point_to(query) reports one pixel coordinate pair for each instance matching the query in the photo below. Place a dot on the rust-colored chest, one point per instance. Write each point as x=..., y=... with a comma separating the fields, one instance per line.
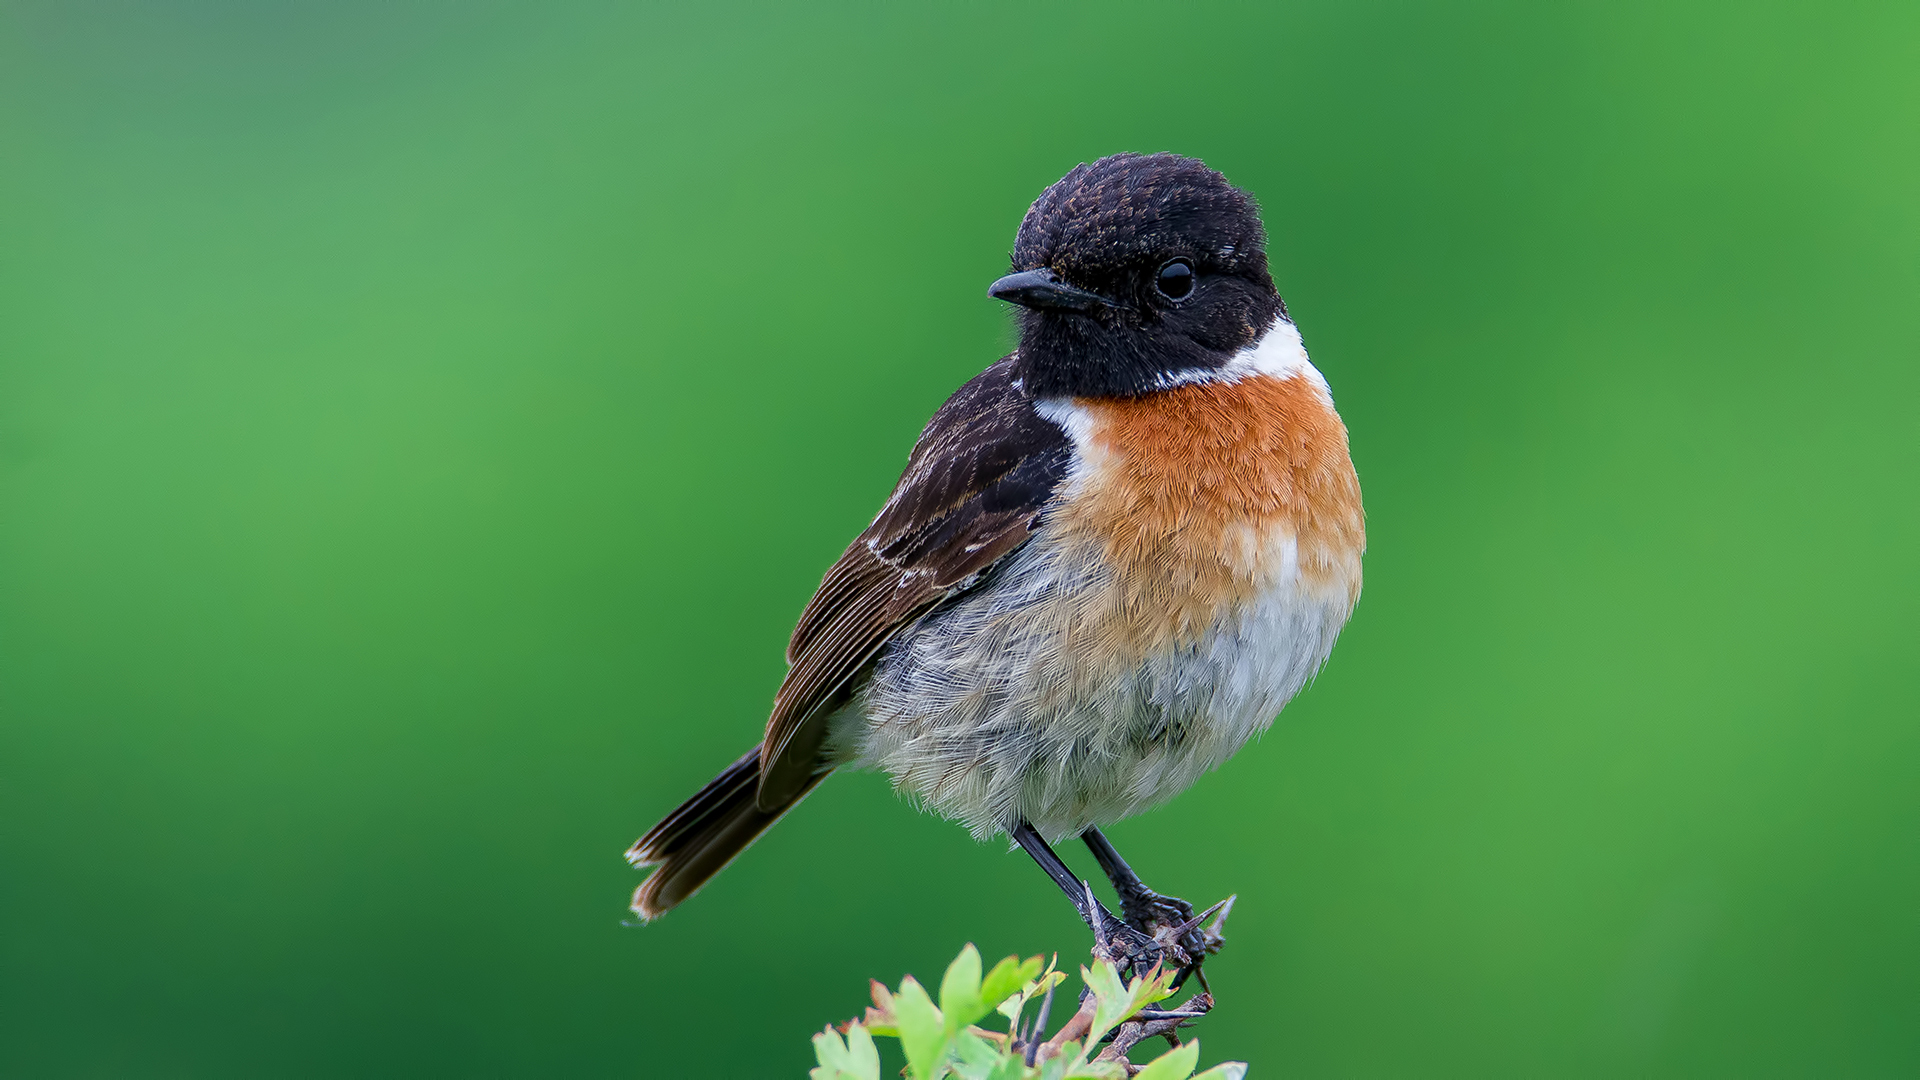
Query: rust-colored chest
x=1205, y=497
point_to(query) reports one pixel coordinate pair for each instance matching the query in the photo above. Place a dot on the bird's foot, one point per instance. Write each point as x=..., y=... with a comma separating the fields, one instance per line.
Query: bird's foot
x=1145, y=908
x=1158, y=930
x=1171, y=919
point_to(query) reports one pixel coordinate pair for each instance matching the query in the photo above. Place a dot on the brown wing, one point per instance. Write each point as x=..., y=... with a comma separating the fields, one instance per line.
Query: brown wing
x=973, y=492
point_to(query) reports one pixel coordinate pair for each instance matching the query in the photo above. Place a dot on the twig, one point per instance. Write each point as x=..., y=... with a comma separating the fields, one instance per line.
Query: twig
x=1148, y=1023
x=1040, y=1023
x=1075, y=1028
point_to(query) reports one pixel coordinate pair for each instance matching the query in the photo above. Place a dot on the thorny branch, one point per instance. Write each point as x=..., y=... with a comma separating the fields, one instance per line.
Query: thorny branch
x=1149, y=1022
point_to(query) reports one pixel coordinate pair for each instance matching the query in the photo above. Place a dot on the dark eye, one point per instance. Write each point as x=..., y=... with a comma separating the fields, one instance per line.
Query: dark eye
x=1176, y=279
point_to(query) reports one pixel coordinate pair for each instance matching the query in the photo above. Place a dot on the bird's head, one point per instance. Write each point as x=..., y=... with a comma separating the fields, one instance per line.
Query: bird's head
x=1136, y=273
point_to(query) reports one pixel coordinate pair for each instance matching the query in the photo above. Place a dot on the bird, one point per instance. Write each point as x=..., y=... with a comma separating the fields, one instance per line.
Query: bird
x=1113, y=557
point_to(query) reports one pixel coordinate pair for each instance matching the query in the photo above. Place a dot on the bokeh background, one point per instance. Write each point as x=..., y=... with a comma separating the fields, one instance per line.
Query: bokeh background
x=420, y=424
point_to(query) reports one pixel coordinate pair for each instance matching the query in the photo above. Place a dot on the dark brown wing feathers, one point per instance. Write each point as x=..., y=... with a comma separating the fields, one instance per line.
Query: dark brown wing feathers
x=706, y=833
x=671, y=835
x=972, y=492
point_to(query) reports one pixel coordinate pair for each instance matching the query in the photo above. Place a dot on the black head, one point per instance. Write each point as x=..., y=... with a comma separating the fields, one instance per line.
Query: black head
x=1134, y=271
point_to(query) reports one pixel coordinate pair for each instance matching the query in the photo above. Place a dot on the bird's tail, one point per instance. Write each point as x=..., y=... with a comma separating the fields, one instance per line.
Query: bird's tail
x=706, y=833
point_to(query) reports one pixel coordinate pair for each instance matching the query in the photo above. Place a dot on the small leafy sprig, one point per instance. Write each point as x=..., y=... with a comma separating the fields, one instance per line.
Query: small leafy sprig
x=942, y=1041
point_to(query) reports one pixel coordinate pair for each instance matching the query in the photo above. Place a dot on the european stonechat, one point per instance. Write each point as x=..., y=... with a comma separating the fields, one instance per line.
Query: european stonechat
x=1114, y=556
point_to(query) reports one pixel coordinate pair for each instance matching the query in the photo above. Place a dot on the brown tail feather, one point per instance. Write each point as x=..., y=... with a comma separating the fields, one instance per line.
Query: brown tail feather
x=707, y=832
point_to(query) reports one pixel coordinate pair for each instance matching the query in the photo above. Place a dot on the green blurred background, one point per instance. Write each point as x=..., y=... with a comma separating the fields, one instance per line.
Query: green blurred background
x=420, y=425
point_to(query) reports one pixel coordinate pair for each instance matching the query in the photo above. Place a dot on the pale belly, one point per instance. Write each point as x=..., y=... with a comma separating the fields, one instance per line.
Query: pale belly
x=1038, y=697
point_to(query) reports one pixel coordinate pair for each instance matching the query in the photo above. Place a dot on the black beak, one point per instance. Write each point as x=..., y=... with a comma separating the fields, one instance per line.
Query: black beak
x=1043, y=290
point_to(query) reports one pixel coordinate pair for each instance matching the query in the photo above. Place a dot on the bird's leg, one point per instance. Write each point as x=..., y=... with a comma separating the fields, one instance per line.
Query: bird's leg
x=1114, y=939
x=1144, y=908
x=1031, y=842
x=1168, y=919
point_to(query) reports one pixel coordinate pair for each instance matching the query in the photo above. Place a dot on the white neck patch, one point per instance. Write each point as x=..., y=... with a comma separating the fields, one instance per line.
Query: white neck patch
x=1279, y=354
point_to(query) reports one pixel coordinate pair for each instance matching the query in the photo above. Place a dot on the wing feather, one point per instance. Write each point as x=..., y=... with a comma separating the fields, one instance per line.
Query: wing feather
x=973, y=492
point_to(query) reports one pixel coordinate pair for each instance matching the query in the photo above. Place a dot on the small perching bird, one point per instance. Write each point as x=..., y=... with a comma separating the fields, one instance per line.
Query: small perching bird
x=1114, y=556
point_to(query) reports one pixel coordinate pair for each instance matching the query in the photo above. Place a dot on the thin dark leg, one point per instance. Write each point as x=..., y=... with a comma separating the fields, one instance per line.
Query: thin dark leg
x=1125, y=881
x=1112, y=933
x=1132, y=944
x=1141, y=905
x=1110, y=860
x=1076, y=890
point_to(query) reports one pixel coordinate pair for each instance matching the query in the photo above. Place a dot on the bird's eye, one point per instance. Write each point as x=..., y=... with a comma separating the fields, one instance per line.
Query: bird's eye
x=1176, y=279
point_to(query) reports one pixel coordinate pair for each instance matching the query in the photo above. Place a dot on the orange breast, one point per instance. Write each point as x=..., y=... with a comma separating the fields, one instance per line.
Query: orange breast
x=1208, y=496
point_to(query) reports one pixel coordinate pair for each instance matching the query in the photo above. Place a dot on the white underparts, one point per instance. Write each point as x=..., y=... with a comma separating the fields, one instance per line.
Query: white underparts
x=1003, y=707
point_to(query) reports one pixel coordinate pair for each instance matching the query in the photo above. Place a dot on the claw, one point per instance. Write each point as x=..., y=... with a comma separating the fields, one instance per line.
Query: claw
x=1130, y=950
x=1209, y=941
x=1189, y=944
x=1225, y=908
x=1179, y=933
x=1124, y=947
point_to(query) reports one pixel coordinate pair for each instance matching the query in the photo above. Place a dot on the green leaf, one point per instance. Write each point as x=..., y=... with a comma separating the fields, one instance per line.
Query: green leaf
x=880, y=1018
x=1096, y=1070
x=1175, y=1064
x=1103, y=981
x=941, y=1042
x=960, y=991
x=1055, y=1068
x=855, y=1059
x=1009, y=1067
x=864, y=1056
x=1012, y=1006
x=1115, y=1002
x=1109, y=997
x=1006, y=979
x=830, y=1052
x=975, y=1058
x=923, y=1031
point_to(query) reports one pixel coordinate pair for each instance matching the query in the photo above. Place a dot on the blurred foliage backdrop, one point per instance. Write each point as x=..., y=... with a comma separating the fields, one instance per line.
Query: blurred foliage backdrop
x=421, y=423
